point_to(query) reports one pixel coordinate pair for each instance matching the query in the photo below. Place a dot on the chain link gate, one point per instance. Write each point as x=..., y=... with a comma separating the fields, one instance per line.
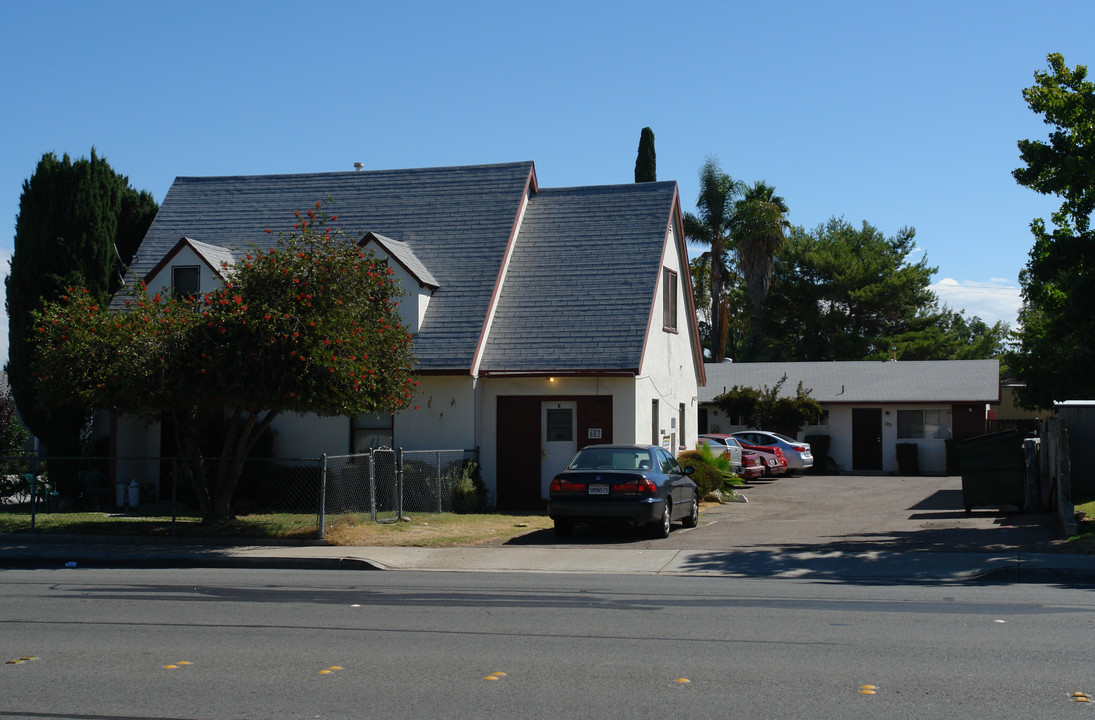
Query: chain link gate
x=386, y=483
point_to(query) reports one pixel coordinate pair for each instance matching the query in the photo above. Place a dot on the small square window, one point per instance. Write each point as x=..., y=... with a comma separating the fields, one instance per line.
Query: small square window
x=185, y=281
x=560, y=425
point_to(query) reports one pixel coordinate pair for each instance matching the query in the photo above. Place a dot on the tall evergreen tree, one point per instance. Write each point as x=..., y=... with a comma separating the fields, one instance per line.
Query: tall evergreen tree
x=646, y=162
x=845, y=293
x=71, y=214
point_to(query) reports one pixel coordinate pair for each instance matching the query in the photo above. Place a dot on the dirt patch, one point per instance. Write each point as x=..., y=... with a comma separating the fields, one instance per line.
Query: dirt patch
x=436, y=530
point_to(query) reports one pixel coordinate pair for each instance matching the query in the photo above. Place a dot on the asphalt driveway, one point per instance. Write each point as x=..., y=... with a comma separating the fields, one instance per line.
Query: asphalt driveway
x=845, y=513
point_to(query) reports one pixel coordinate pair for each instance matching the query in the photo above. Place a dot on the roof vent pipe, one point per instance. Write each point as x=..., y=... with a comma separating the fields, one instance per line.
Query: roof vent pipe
x=358, y=165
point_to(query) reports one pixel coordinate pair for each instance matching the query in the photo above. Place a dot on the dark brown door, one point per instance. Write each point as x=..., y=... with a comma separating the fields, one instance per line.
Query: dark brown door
x=519, y=453
x=866, y=439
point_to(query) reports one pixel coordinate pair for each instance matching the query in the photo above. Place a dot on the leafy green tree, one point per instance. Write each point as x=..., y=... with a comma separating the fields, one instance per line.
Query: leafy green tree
x=710, y=226
x=12, y=433
x=758, y=228
x=1056, y=325
x=847, y=293
x=309, y=326
x=71, y=214
x=646, y=161
x=767, y=408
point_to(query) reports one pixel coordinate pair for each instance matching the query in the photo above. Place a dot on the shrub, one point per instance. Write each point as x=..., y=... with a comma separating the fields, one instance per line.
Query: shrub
x=714, y=475
x=469, y=492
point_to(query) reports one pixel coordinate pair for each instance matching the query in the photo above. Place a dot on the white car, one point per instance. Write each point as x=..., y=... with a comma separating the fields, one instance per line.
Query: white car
x=723, y=445
x=796, y=453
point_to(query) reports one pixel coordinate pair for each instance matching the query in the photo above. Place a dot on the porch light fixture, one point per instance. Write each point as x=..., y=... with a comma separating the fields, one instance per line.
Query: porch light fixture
x=551, y=379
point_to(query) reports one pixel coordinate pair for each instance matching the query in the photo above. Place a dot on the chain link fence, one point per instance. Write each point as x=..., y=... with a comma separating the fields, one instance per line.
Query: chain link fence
x=280, y=497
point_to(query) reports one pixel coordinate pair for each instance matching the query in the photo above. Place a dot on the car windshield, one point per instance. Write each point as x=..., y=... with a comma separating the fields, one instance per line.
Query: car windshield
x=784, y=438
x=611, y=459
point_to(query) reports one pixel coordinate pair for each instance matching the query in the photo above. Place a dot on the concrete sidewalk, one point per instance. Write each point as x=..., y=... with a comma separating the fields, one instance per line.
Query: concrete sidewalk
x=823, y=528
x=822, y=566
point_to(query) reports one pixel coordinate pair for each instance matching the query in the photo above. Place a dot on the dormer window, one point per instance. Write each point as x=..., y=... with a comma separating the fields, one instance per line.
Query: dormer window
x=185, y=281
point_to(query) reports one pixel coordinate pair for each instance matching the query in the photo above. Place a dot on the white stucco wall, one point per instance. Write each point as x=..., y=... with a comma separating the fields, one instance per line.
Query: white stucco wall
x=411, y=305
x=137, y=451
x=446, y=417
x=186, y=257
x=669, y=373
x=932, y=454
x=310, y=436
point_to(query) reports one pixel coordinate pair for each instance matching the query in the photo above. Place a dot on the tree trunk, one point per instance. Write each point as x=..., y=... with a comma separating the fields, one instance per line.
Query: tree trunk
x=189, y=446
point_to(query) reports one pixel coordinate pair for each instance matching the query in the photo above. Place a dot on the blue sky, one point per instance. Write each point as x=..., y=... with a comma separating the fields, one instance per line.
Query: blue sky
x=900, y=114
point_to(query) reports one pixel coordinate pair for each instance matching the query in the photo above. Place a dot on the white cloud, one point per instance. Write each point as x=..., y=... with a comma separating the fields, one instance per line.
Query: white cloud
x=991, y=300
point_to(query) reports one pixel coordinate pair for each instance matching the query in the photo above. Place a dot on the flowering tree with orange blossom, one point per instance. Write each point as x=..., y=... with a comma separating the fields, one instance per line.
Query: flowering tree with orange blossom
x=309, y=325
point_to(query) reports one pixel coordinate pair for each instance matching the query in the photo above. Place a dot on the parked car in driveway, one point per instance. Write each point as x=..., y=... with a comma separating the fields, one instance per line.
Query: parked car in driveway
x=797, y=453
x=774, y=462
x=723, y=445
x=641, y=484
x=752, y=466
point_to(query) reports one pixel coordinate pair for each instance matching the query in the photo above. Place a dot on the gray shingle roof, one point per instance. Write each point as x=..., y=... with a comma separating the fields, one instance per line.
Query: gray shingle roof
x=405, y=256
x=906, y=381
x=214, y=256
x=458, y=221
x=581, y=279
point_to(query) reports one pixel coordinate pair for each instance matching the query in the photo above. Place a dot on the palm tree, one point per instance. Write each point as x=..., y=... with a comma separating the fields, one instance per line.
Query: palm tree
x=758, y=228
x=711, y=227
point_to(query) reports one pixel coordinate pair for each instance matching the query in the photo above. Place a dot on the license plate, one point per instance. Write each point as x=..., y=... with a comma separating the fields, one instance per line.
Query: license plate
x=598, y=489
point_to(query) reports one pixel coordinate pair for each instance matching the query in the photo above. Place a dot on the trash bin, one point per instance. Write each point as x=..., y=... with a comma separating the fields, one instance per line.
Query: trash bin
x=134, y=494
x=908, y=458
x=994, y=470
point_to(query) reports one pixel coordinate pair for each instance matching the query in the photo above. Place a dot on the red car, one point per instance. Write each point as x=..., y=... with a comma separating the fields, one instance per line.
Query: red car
x=752, y=466
x=774, y=462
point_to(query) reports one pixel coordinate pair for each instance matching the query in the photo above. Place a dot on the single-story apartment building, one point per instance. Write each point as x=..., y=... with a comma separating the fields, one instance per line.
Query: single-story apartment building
x=869, y=408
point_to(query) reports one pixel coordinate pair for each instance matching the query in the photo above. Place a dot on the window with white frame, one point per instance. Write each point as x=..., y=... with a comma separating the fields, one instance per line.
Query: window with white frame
x=923, y=424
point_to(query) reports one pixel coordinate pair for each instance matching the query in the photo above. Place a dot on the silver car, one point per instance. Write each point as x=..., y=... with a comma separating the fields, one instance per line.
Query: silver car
x=723, y=445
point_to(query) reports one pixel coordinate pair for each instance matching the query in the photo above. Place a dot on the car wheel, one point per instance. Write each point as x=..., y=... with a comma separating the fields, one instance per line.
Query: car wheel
x=693, y=518
x=564, y=528
x=662, y=527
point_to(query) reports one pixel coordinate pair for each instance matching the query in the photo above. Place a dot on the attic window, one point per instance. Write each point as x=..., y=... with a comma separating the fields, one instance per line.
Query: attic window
x=669, y=300
x=185, y=281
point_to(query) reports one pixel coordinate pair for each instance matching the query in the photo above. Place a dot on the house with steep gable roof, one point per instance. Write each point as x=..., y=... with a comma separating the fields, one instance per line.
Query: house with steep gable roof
x=871, y=407
x=544, y=319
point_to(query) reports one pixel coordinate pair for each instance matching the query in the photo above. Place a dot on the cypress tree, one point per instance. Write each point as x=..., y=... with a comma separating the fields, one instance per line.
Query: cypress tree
x=70, y=216
x=645, y=163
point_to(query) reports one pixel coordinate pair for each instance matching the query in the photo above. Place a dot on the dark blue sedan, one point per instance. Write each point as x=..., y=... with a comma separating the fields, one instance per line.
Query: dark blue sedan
x=635, y=483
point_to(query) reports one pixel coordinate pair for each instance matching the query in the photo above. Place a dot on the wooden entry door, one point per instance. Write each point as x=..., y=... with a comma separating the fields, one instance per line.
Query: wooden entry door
x=518, y=432
x=866, y=438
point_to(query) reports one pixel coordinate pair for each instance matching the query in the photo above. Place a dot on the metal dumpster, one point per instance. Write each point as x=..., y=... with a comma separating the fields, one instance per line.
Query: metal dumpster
x=993, y=470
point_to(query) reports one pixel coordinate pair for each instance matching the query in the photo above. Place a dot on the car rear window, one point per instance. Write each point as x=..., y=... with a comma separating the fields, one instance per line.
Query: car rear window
x=611, y=459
